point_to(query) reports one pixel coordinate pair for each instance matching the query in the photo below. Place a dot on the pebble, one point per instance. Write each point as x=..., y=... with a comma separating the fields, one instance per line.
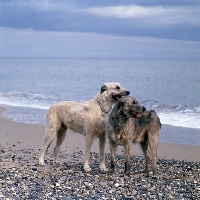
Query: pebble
x=22, y=178
x=104, y=184
x=116, y=184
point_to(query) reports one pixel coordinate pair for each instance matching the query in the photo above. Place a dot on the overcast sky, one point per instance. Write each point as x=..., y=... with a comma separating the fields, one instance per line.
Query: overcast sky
x=168, y=29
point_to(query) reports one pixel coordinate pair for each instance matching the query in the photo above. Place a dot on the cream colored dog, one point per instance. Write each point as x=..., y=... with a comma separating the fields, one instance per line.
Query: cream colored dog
x=87, y=118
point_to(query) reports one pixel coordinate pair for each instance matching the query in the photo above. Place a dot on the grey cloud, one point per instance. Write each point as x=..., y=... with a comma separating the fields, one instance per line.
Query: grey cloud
x=166, y=15
x=110, y=24
x=29, y=43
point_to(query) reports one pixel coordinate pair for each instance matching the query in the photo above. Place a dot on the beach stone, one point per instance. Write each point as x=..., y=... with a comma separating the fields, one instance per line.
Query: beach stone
x=57, y=184
x=52, y=186
x=70, y=182
x=33, y=195
x=116, y=184
x=160, y=195
x=104, y=184
x=1, y=195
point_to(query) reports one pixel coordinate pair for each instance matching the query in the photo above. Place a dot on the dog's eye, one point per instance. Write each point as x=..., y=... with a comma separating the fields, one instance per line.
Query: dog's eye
x=134, y=102
x=118, y=87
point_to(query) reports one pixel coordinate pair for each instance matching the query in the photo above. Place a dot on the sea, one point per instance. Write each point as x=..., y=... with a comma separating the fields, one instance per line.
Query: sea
x=28, y=86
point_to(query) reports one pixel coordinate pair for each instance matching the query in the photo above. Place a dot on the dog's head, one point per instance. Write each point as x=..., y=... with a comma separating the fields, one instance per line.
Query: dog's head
x=130, y=107
x=114, y=90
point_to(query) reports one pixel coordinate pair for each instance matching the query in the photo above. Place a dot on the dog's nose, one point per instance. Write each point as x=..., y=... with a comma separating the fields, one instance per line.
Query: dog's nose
x=143, y=108
x=127, y=92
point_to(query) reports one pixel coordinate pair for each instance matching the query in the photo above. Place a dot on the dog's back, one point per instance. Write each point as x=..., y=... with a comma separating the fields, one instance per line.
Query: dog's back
x=146, y=127
x=75, y=116
x=148, y=121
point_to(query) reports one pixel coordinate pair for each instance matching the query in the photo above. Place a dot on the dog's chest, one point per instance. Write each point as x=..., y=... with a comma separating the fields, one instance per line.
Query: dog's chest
x=120, y=137
x=122, y=134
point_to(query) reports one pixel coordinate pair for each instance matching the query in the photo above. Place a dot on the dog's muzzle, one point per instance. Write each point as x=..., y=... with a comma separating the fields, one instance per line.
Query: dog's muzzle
x=117, y=97
x=136, y=114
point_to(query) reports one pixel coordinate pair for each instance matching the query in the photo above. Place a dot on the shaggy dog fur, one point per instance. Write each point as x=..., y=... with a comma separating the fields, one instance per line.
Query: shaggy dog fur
x=87, y=118
x=129, y=123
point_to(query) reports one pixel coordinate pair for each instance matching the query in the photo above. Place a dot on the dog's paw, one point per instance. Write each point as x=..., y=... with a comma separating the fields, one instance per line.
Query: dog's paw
x=127, y=172
x=111, y=170
x=103, y=169
x=41, y=163
x=57, y=163
x=88, y=169
x=146, y=171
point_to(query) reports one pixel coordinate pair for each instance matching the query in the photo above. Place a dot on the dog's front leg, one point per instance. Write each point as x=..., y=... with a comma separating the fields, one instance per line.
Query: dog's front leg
x=88, y=144
x=113, y=147
x=102, y=142
x=127, y=149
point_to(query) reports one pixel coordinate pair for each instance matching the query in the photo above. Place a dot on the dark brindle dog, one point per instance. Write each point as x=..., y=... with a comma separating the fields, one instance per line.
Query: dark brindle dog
x=130, y=123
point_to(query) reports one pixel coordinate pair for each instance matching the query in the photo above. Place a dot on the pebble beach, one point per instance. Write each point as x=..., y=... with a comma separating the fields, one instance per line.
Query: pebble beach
x=178, y=175
x=22, y=178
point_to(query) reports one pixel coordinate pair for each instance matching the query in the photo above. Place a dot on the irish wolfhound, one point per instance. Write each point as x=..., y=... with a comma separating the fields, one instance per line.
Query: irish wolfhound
x=129, y=123
x=87, y=118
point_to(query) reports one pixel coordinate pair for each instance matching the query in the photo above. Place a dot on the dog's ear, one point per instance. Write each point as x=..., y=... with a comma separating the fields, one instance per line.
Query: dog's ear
x=103, y=88
x=120, y=105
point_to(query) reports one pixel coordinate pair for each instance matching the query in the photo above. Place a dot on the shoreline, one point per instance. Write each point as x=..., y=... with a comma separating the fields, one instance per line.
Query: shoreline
x=17, y=135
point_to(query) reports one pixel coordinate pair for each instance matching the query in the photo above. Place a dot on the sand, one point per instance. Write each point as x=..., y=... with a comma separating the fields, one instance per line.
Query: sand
x=23, y=136
x=22, y=178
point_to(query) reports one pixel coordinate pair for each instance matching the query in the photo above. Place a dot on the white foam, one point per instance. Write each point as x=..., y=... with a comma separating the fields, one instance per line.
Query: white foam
x=181, y=115
x=24, y=104
x=28, y=100
x=188, y=119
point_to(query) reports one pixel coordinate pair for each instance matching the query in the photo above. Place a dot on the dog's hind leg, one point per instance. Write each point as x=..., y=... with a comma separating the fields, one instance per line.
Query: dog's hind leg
x=153, y=143
x=102, y=141
x=50, y=133
x=144, y=146
x=60, y=138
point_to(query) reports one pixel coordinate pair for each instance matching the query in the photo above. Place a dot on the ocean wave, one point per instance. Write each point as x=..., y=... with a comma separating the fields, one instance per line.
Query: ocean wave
x=175, y=115
x=29, y=100
x=178, y=115
x=187, y=120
